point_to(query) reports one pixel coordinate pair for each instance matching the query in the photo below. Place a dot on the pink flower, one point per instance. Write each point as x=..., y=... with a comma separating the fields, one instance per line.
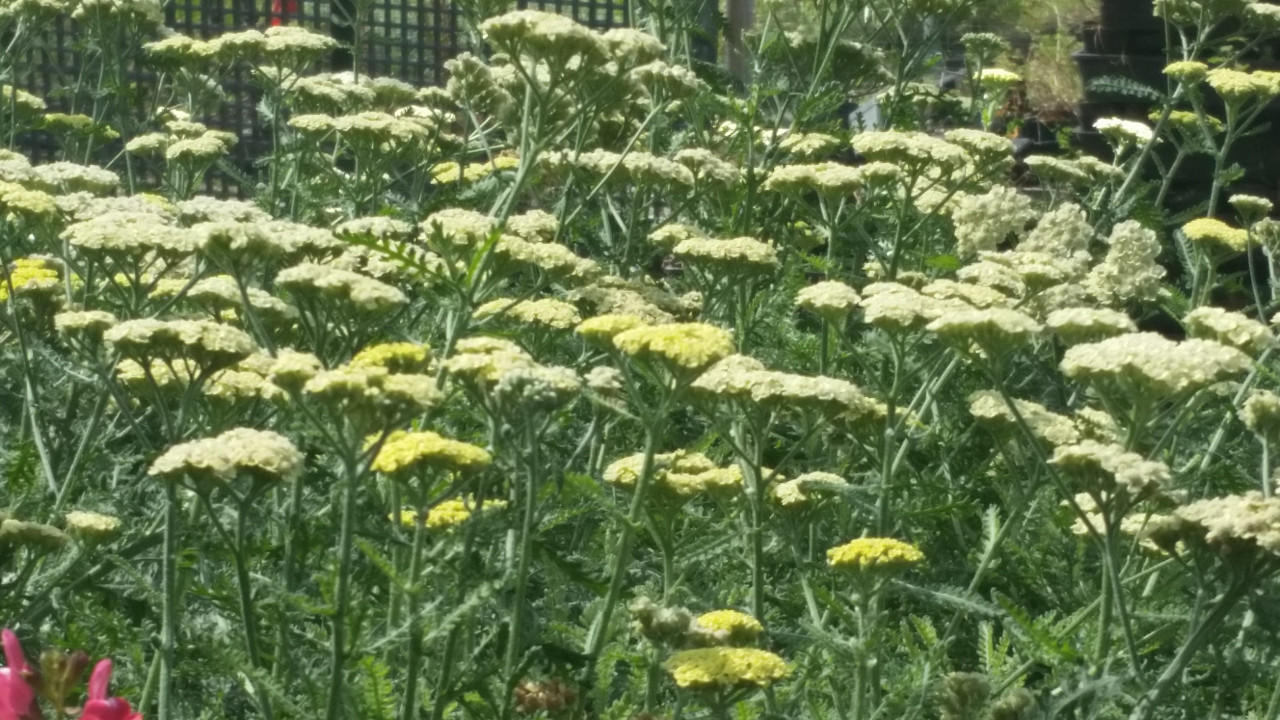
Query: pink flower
x=17, y=699
x=99, y=706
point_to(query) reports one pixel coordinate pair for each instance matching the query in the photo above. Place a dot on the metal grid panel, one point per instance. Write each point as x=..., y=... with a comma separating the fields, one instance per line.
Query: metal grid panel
x=599, y=14
x=405, y=39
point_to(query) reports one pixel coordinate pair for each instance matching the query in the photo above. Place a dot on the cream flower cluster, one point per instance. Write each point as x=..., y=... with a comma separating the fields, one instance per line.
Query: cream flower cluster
x=261, y=454
x=1150, y=365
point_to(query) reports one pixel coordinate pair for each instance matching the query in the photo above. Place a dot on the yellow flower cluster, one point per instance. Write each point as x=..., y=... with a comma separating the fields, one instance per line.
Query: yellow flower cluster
x=30, y=276
x=737, y=627
x=452, y=172
x=1214, y=232
x=448, y=514
x=726, y=667
x=1186, y=71
x=1236, y=86
x=680, y=346
x=396, y=357
x=406, y=452
x=874, y=554
x=681, y=473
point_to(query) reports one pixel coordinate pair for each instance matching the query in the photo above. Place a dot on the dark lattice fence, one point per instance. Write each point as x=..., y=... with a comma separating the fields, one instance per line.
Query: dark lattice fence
x=409, y=40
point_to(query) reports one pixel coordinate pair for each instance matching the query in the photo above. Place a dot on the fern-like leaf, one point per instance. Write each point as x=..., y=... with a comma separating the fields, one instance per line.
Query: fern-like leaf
x=1126, y=87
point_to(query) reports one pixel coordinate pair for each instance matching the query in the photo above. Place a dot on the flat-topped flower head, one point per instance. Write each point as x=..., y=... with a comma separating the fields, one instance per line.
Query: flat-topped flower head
x=362, y=293
x=1187, y=71
x=292, y=369
x=601, y=329
x=805, y=490
x=679, y=346
x=33, y=536
x=92, y=525
x=534, y=226
x=396, y=357
x=874, y=554
x=1109, y=468
x=1152, y=366
x=88, y=324
x=1215, y=233
x=722, y=668
x=915, y=150
x=261, y=454
x=1229, y=328
x=679, y=475
x=1231, y=524
x=372, y=394
x=736, y=627
x=547, y=313
x=127, y=233
x=31, y=277
x=831, y=300
x=1088, y=324
x=1251, y=207
x=458, y=229
x=407, y=452
x=546, y=35
x=991, y=410
x=991, y=329
x=449, y=514
x=1236, y=86
x=630, y=47
x=1120, y=131
x=553, y=260
x=730, y=257
x=208, y=342
x=529, y=391
x=809, y=146
x=984, y=146
x=484, y=360
x=998, y=78
x=1261, y=414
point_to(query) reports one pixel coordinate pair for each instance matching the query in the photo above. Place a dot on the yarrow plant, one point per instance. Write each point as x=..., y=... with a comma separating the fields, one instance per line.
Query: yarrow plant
x=593, y=383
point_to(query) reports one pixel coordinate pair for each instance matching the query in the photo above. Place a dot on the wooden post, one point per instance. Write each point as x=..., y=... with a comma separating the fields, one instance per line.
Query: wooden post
x=742, y=17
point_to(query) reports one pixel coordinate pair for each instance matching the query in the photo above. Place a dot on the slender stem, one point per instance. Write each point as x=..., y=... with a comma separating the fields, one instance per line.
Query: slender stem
x=527, y=524
x=409, y=710
x=342, y=595
x=1171, y=675
x=622, y=551
x=169, y=603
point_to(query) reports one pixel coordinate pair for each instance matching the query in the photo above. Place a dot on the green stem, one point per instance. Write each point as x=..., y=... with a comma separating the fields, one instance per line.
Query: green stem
x=337, y=650
x=622, y=551
x=1173, y=673
x=409, y=710
x=169, y=603
x=527, y=523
